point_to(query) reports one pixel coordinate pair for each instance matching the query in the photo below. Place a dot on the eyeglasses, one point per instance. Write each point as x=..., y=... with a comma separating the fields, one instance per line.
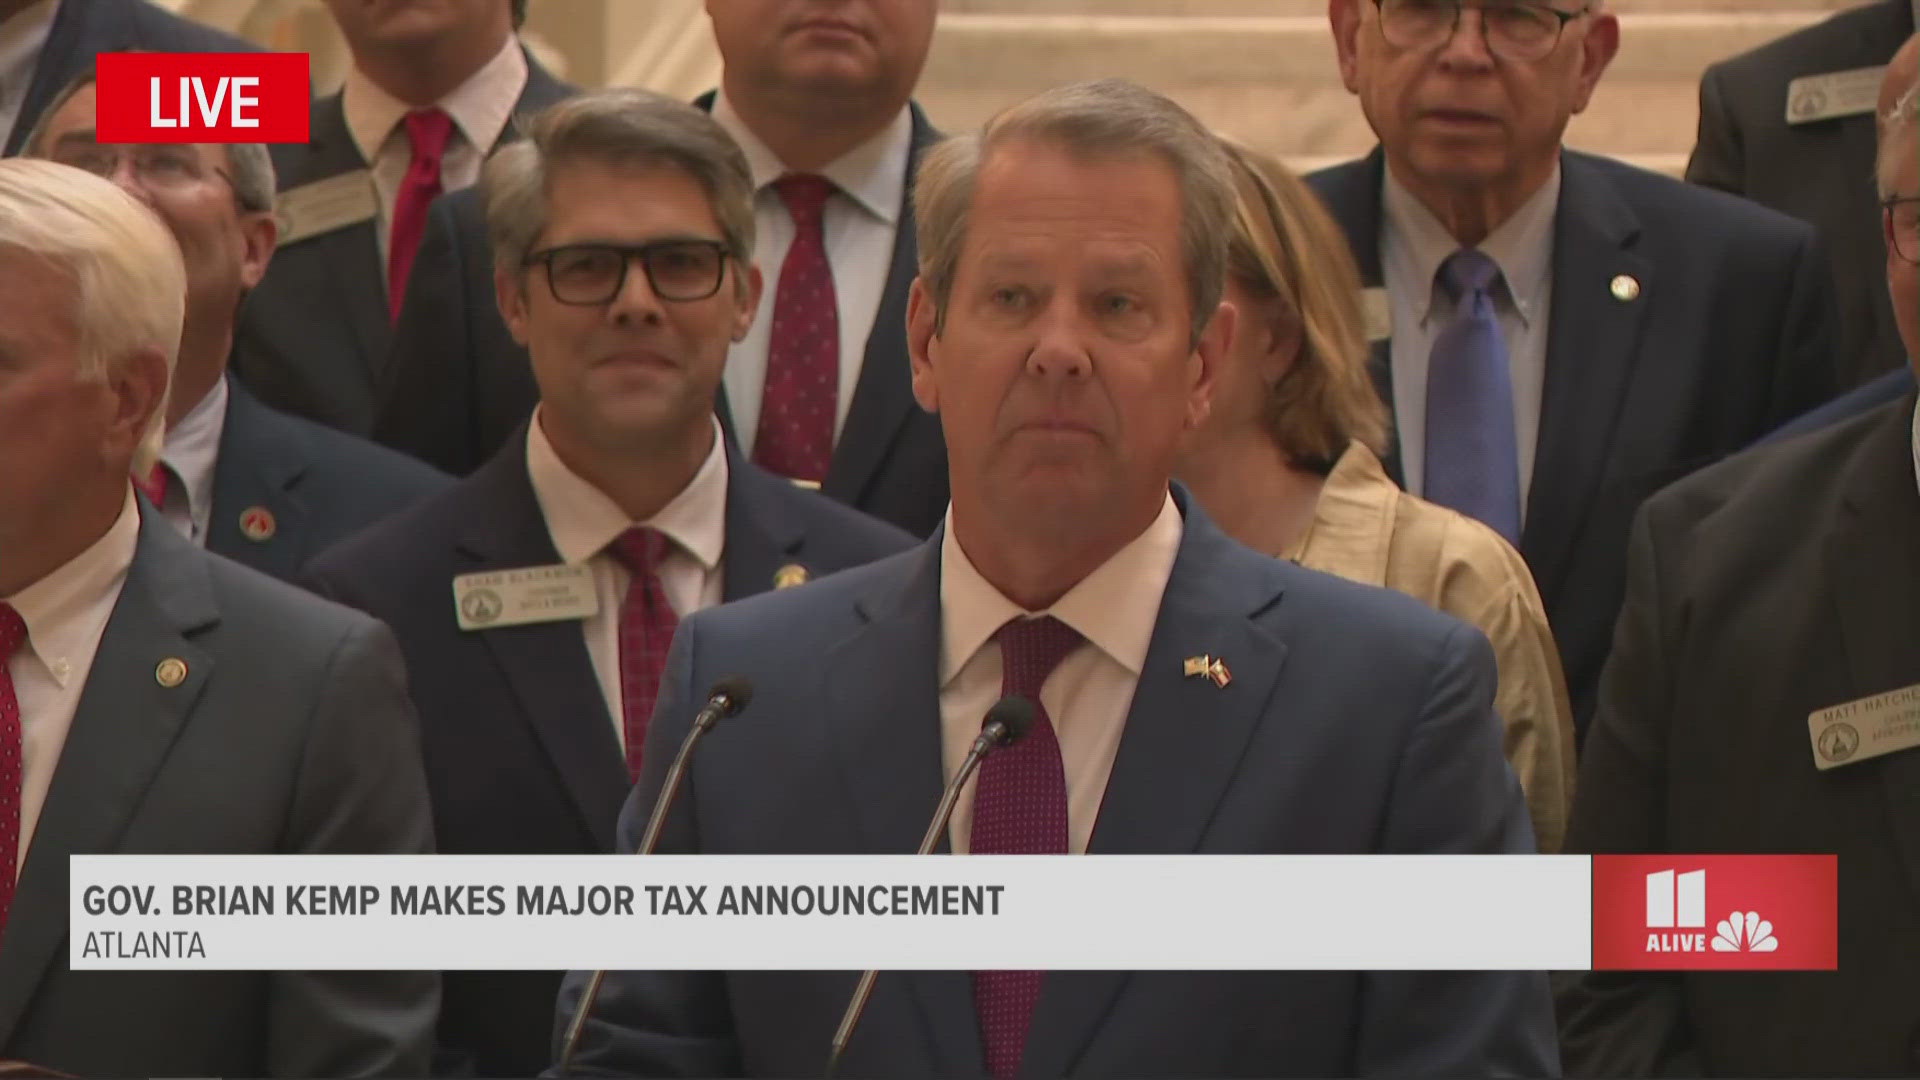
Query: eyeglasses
x=1902, y=216
x=677, y=270
x=1512, y=31
x=158, y=167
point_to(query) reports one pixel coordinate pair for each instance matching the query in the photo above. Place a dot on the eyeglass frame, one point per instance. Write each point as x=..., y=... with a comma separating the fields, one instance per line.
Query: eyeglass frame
x=1886, y=220
x=629, y=253
x=126, y=152
x=1559, y=32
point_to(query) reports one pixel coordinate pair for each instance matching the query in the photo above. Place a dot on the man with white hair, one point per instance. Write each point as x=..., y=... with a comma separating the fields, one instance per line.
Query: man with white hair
x=1762, y=592
x=157, y=699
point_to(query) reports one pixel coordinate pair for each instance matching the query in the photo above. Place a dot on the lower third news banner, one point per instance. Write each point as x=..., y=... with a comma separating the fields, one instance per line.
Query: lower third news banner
x=983, y=912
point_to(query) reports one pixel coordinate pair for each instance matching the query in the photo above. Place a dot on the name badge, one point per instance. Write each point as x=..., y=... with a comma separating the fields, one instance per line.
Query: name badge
x=1813, y=98
x=325, y=205
x=1376, y=314
x=1866, y=728
x=532, y=594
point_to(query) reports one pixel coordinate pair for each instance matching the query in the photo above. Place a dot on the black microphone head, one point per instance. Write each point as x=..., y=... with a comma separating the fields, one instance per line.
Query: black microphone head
x=733, y=692
x=1015, y=715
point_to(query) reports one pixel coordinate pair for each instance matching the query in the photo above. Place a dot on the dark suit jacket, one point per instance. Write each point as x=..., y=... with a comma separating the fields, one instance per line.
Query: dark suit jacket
x=291, y=735
x=84, y=28
x=1730, y=336
x=1889, y=387
x=320, y=485
x=315, y=332
x=1357, y=721
x=1778, y=583
x=458, y=385
x=521, y=753
x=1820, y=172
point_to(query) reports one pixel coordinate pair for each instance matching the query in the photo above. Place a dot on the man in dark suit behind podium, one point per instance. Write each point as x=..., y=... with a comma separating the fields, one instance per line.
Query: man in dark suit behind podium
x=1566, y=333
x=821, y=90
x=1065, y=327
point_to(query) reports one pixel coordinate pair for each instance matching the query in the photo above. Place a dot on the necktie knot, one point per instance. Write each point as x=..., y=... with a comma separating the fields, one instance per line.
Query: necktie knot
x=806, y=196
x=428, y=132
x=13, y=631
x=1467, y=272
x=640, y=549
x=1030, y=649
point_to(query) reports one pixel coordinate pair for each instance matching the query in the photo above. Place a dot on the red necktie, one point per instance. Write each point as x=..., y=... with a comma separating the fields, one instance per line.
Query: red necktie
x=795, y=434
x=427, y=132
x=647, y=623
x=154, y=486
x=1020, y=808
x=13, y=632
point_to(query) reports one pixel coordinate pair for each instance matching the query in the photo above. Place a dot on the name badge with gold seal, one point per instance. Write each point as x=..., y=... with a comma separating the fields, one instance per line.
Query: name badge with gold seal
x=532, y=594
x=1867, y=728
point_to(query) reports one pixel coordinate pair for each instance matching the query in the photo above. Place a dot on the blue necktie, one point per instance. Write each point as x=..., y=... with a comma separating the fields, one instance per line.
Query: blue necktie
x=1472, y=464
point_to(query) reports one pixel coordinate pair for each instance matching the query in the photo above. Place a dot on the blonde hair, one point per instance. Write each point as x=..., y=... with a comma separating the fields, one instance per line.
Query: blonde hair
x=1286, y=247
x=131, y=283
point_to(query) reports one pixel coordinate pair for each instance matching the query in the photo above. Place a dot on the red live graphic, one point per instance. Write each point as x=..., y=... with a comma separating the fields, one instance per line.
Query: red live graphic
x=202, y=97
x=1715, y=912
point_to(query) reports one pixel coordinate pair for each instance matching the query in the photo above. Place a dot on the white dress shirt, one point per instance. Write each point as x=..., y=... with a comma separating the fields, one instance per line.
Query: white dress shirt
x=582, y=521
x=480, y=108
x=858, y=226
x=1413, y=244
x=65, y=612
x=191, y=452
x=1087, y=697
x=22, y=36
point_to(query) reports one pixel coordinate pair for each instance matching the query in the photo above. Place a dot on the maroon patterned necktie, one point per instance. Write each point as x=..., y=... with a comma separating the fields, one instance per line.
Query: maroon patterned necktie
x=428, y=132
x=13, y=632
x=154, y=485
x=1020, y=808
x=647, y=623
x=795, y=434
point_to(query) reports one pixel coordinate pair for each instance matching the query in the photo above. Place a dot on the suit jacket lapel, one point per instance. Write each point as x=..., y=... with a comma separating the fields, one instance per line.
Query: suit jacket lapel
x=1871, y=557
x=1592, y=350
x=760, y=539
x=257, y=471
x=1178, y=727
x=124, y=725
x=883, y=397
x=885, y=719
x=546, y=664
x=350, y=255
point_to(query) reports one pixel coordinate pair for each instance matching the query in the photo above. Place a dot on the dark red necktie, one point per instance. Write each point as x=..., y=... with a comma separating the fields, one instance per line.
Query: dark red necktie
x=13, y=633
x=795, y=434
x=647, y=623
x=428, y=131
x=1020, y=808
x=154, y=485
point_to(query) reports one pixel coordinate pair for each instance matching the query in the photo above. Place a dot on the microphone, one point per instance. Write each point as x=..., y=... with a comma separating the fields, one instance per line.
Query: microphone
x=1006, y=723
x=727, y=698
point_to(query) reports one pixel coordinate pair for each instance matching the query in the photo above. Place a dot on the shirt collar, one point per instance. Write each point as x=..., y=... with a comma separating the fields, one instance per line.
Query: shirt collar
x=1115, y=607
x=873, y=174
x=582, y=520
x=1522, y=246
x=66, y=611
x=192, y=446
x=479, y=107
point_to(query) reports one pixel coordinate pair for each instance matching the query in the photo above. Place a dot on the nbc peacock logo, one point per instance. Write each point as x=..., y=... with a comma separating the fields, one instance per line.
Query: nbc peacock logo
x=1744, y=931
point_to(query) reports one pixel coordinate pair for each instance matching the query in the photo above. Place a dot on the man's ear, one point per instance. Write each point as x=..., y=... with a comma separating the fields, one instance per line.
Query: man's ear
x=752, y=285
x=921, y=341
x=259, y=232
x=1597, y=49
x=139, y=386
x=1204, y=363
x=510, y=293
x=1344, y=16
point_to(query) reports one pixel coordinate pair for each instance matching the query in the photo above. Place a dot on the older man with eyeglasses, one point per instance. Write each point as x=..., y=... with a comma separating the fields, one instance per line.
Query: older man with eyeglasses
x=622, y=232
x=1558, y=335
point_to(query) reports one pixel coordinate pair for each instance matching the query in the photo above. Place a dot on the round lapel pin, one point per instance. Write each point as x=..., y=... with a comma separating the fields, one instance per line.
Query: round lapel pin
x=257, y=524
x=171, y=672
x=1625, y=288
x=790, y=575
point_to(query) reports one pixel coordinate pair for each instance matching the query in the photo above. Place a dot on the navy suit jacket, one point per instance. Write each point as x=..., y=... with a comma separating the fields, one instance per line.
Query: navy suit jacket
x=1891, y=386
x=458, y=385
x=1358, y=720
x=522, y=757
x=320, y=485
x=1730, y=336
x=83, y=29
x=315, y=332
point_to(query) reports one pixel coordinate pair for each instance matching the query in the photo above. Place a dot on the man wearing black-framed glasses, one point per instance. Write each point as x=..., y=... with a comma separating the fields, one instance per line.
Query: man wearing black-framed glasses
x=622, y=231
x=1557, y=334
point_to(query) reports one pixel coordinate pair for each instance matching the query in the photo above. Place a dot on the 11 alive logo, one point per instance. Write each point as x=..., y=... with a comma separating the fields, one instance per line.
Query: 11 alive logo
x=1715, y=913
x=202, y=97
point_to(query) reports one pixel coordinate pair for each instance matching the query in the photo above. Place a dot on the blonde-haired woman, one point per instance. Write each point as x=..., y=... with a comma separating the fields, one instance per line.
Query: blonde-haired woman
x=1288, y=463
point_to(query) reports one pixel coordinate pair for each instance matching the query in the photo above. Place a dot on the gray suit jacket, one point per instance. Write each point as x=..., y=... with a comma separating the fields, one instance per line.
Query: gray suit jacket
x=1358, y=720
x=292, y=734
x=1820, y=172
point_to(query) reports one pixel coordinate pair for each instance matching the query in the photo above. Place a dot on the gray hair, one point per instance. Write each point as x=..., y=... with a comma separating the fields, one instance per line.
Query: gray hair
x=131, y=283
x=1110, y=117
x=250, y=166
x=1898, y=129
x=621, y=127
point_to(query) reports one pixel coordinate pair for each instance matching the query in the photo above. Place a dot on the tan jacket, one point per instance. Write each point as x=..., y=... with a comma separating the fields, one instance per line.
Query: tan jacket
x=1366, y=529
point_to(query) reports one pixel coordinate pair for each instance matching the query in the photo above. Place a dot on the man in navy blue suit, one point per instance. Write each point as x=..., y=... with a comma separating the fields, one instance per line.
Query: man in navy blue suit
x=623, y=233
x=1558, y=335
x=240, y=479
x=1065, y=327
